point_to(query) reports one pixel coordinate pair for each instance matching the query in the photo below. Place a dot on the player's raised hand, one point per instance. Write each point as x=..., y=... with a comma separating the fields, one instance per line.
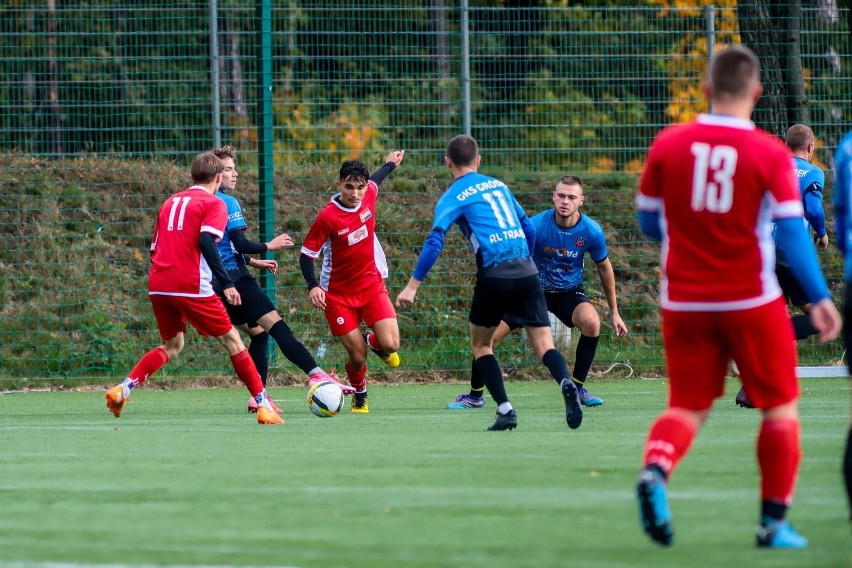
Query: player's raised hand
x=281, y=241
x=395, y=157
x=826, y=319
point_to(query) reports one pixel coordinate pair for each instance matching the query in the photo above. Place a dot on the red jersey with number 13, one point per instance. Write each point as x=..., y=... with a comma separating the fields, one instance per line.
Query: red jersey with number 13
x=352, y=257
x=717, y=184
x=177, y=265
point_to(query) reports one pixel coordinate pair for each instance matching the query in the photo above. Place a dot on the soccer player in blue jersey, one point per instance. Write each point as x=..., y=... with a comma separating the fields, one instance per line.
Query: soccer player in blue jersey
x=257, y=315
x=563, y=237
x=507, y=281
x=802, y=143
x=843, y=227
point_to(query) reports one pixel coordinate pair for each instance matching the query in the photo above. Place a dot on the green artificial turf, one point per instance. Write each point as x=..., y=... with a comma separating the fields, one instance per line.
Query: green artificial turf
x=186, y=477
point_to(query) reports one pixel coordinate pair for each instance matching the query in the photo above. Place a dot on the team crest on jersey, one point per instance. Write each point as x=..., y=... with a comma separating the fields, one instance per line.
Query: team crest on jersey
x=358, y=235
x=343, y=231
x=581, y=242
x=366, y=215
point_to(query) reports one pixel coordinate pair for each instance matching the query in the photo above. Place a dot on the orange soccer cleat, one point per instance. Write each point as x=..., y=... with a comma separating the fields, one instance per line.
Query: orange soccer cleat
x=115, y=400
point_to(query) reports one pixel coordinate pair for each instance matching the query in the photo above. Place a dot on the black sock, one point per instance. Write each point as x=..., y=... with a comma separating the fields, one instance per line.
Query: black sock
x=773, y=509
x=586, y=349
x=847, y=470
x=477, y=385
x=258, y=351
x=489, y=370
x=803, y=327
x=555, y=363
x=291, y=347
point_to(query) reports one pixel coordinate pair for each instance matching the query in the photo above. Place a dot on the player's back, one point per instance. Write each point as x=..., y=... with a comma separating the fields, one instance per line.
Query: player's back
x=721, y=180
x=177, y=266
x=488, y=215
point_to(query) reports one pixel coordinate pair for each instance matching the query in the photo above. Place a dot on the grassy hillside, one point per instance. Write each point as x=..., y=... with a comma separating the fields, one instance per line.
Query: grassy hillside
x=75, y=256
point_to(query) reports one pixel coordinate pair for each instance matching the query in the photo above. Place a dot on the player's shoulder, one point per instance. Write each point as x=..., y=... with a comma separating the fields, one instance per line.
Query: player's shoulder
x=590, y=223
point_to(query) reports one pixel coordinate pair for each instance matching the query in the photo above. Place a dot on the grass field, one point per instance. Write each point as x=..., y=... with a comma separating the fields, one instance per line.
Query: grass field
x=185, y=477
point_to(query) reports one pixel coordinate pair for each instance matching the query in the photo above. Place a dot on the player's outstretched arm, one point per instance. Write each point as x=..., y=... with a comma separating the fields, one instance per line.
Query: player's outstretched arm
x=391, y=162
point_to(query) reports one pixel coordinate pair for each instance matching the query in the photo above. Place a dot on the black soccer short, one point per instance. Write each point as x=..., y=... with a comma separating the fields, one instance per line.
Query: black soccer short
x=522, y=298
x=790, y=285
x=560, y=303
x=255, y=302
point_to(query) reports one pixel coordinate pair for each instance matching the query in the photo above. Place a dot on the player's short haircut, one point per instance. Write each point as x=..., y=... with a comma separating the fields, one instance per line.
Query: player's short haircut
x=226, y=152
x=798, y=137
x=462, y=150
x=570, y=180
x=356, y=170
x=205, y=167
x=732, y=72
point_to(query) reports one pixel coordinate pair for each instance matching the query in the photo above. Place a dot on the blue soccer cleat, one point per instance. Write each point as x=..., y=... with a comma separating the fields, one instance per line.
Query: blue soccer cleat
x=463, y=401
x=587, y=399
x=654, y=506
x=773, y=533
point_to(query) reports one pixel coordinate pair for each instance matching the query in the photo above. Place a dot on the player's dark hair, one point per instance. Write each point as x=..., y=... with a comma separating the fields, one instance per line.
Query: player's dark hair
x=225, y=152
x=798, y=137
x=732, y=72
x=570, y=180
x=462, y=150
x=205, y=167
x=356, y=170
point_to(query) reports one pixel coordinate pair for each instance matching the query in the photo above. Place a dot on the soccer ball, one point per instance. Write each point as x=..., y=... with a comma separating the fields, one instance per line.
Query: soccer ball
x=325, y=399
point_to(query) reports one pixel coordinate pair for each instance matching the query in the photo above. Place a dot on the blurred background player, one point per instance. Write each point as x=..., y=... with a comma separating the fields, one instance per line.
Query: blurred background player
x=563, y=237
x=843, y=227
x=802, y=143
x=184, y=258
x=351, y=286
x=719, y=295
x=507, y=280
x=256, y=314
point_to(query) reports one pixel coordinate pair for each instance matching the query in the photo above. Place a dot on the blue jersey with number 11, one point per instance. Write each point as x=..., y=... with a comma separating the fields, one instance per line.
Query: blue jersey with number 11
x=489, y=217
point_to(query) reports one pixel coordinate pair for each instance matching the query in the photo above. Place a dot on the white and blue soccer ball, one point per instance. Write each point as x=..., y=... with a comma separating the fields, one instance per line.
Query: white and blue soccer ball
x=325, y=399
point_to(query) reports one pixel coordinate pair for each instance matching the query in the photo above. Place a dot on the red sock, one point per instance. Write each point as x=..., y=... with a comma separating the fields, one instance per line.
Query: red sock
x=247, y=372
x=669, y=440
x=148, y=365
x=778, y=454
x=372, y=341
x=358, y=379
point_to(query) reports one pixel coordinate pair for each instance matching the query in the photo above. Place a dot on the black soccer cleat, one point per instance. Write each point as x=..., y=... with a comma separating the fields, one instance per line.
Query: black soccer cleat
x=508, y=421
x=573, y=407
x=742, y=400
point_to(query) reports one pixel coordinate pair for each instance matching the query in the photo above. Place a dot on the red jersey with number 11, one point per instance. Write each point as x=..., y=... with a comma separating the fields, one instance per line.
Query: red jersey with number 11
x=177, y=266
x=717, y=184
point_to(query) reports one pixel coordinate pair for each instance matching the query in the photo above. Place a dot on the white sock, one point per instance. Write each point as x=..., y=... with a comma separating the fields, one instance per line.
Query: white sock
x=263, y=400
x=504, y=408
x=126, y=386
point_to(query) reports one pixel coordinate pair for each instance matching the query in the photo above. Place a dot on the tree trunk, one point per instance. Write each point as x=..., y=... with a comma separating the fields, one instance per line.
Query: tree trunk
x=53, y=110
x=771, y=31
x=438, y=19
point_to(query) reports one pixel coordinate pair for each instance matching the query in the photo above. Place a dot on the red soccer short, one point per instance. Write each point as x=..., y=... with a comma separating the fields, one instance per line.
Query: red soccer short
x=345, y=312
x=207, y=315
x=700, y=344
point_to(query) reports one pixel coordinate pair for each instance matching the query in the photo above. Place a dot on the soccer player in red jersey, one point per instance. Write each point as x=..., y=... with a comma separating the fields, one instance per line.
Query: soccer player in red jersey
x=351, y=286
x=710, y=190
x=184, y=258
